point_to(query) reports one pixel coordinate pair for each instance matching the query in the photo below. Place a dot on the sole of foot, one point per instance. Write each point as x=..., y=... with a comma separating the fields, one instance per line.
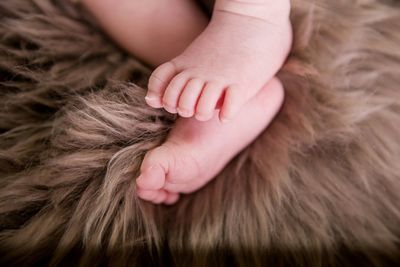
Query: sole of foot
x=195, y=152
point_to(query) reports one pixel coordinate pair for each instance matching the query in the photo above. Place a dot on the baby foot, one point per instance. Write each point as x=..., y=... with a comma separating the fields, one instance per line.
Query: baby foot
x=196, y=151
x=242, y=48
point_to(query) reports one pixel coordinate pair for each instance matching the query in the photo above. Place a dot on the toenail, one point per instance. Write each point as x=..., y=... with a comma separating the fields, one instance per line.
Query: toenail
x=153, y=101
x=151, y=95
x=184, y=112
x=169, y=108
x=201, y=117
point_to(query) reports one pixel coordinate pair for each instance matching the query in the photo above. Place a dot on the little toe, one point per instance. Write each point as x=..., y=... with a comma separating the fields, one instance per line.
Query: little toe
x=171, y=198
x=148, y=195
x=173, y=91
x=232, y=104
x=158, y=82
x=161, y=197
x=208, y=101
x=188, y=99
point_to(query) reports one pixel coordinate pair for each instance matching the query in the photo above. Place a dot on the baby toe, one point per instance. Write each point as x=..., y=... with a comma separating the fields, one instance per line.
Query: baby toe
x=160, y=197
x=188, y=99
x=171, y=198
x=233, y=101
x=173, y=91
x=208, y=101
x=151, y=178
x=158, y=82
x=154, y=167
x=174, y=187
x=148, y=195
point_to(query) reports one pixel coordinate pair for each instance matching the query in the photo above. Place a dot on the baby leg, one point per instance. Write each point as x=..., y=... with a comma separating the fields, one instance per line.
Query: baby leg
x=153, y=30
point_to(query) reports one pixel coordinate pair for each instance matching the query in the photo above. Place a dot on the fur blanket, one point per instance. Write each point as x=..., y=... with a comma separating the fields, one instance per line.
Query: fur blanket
x=320, y=187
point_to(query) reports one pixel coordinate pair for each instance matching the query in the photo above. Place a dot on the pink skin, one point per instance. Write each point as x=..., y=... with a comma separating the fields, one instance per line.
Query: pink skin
x=241, y=49
x=196, y=151
x=209, y=73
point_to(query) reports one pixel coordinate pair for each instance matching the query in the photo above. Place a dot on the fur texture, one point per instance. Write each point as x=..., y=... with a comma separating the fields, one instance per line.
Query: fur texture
x=320, y=187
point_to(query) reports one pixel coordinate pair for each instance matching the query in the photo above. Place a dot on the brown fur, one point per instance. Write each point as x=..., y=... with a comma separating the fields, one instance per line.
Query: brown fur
x=320, y=187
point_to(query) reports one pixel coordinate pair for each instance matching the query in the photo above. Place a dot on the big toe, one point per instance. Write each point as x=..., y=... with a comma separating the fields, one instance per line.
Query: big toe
x=152, y=178
x=158, y=83
x=154, y=168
